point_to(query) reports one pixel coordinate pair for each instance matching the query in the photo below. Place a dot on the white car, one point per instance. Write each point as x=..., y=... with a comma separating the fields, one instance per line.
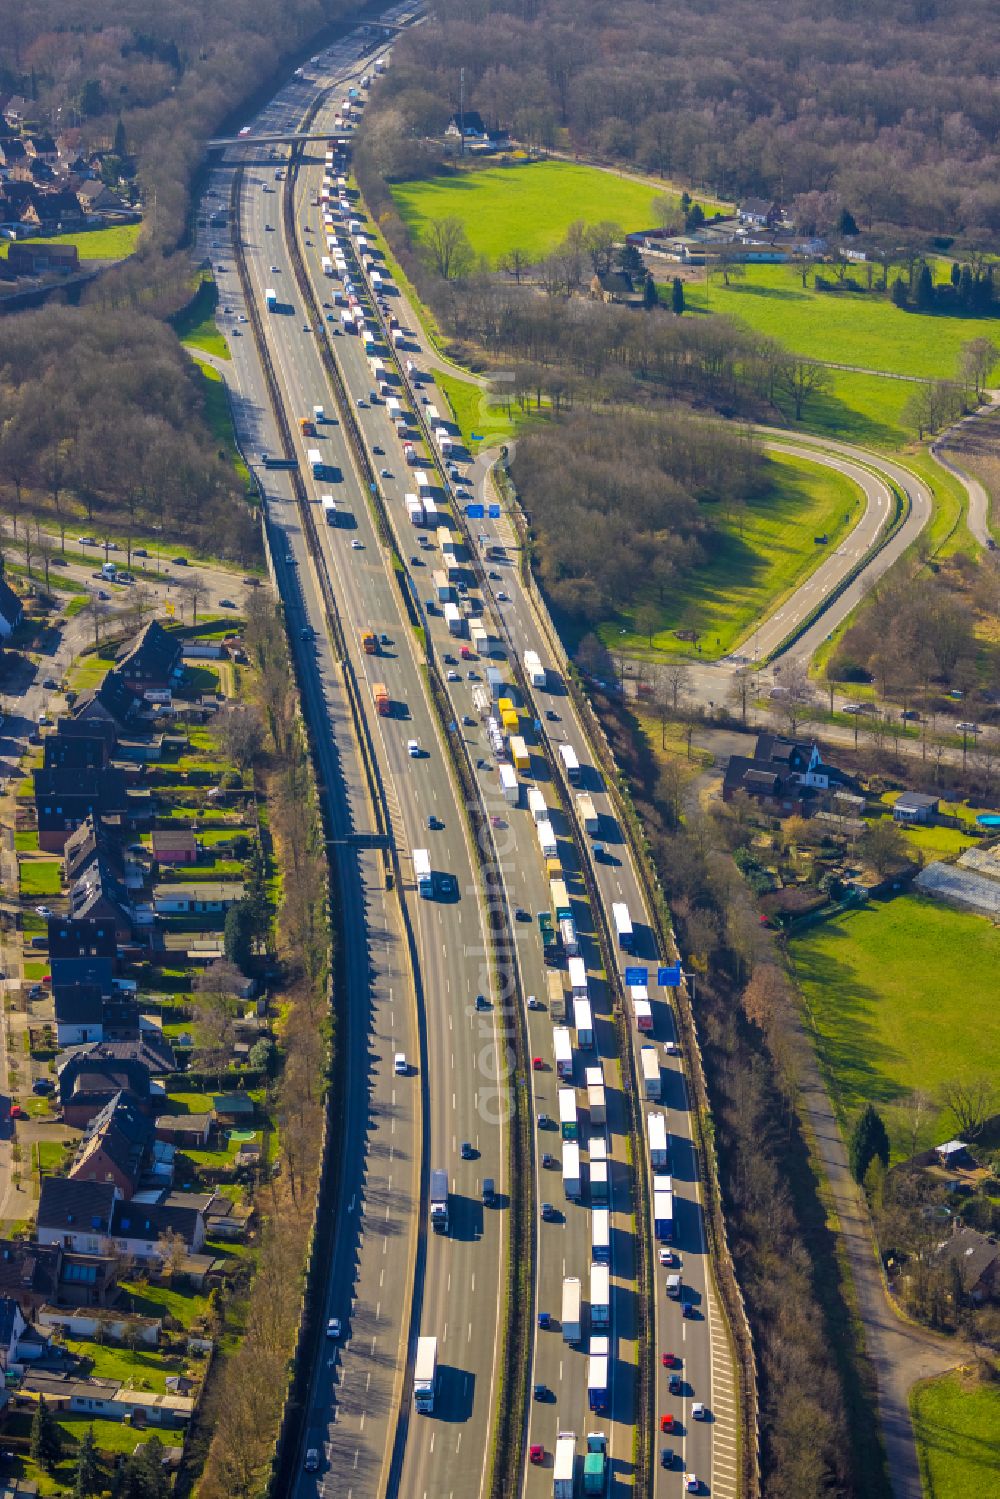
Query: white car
x=333, y=1327
x=453, y=676
x=666, y=1256
x=698, y=1412
x=670, y=1047
x=43, y=910
x=399, y=1064
x=413, y=749
x=356, y=545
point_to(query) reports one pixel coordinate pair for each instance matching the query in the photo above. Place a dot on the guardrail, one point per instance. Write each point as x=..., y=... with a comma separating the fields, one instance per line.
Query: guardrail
x=738, y=1325
x=515, y=1363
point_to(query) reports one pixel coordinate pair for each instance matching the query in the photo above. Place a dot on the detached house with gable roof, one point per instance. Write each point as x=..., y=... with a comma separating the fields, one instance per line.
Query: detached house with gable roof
x=152, y=661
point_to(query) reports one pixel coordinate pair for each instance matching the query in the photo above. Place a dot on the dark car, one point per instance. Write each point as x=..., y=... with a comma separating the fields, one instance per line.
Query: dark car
x=521, y=914
x=666, y=1457
x=549, y=1160
x=675, y=1384
x=43, y=1085
x=542, y=1392
x=179, y=561
x=548, y=1212
x=545, y=1320
x=466, y=1151
x=552, y=715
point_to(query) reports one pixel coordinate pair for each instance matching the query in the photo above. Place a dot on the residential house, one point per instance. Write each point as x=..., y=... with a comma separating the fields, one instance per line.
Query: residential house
x=760, y=213
x=89, y=1076
x=82, y=952
x=86, y=728
x=788, y=777
x=954, y=1155
x=75, y=1215
x=152, y=661
x=613, y=286
x=174, y=846
x=137, y=1228
x=68, y=752
x=98, y=894
x=53, y=213
x=29, y=259
x=11, y=608
x=41, y=146
x=94, y=198
x=48, y=1275
x=467, y=126
x=105, y=1399
x=29, y=1272
x=113, y=702
x=116, y=1147
x=79, y=1014
x=16, y=111
x=204, y=898
x=64, y=798
x=978, y=1259
x=12, y=1329
x=92, y=841
x=12, y=152
x=915, y=806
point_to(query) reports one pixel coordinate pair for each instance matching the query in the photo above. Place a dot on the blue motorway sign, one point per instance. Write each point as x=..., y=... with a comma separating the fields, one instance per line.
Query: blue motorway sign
x=669, y=978
x=475, y=512
x=494, y=512
x=636, y=976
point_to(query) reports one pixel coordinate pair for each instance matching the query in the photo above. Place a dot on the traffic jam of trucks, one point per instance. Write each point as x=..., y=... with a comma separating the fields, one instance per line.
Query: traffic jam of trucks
x=582, y=1114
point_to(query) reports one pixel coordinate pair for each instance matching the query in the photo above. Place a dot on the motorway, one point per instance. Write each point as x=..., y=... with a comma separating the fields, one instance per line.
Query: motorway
x=458, y=1294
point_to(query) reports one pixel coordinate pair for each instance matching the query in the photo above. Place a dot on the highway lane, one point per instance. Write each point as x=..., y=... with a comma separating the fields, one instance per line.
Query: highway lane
x=460, y=1276
x=564, y=1247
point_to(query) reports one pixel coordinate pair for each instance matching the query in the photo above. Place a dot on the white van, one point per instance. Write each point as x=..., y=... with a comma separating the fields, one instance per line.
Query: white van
x=399, y=1064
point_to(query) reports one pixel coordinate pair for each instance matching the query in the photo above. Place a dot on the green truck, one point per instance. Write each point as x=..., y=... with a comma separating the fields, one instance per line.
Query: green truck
x=595, y=1463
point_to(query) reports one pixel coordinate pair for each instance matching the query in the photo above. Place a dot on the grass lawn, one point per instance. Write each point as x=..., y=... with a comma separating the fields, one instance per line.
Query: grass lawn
x=141, y=1370
x=529, y=207
x=854, y=328
x=184, y=1306
x=216, y=412
x=893, y=1005
x=474, y=412
x=190, y=1103
x=751, y=573
x=195, y=326
x=866, y=409
x=956, y=1421
x=93, y=244
x=26, y=842
x=76, y=606
x=39, y=876
x=112, y=1437
x=50, y=1155
x=34, y=970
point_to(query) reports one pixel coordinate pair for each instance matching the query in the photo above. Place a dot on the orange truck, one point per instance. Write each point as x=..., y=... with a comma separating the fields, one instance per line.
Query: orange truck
x=307, y=427
x=369, y=644
x=381, y=697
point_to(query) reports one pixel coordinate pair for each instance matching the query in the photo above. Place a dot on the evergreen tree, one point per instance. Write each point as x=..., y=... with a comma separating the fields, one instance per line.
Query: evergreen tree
x=237, y=934
x=677, y=296
x=924, y=296
x=46, y=1439
x=89, y=1478
x=899, y=293
x=120, y=146
x=847, y=224
x=694, y=218
x=869, y=1141
x=966, y=287
x=956, y=274
x=650, y=296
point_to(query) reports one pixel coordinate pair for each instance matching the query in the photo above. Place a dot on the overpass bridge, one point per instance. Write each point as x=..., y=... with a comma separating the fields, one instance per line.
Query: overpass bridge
x=277, y=138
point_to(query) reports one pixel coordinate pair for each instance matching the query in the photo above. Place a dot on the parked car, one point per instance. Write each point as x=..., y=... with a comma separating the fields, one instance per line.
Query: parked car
x=333, y=1327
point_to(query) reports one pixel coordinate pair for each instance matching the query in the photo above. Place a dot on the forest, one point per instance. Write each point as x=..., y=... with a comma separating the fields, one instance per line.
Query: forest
x=102, y=412
x=890, y=110
x=625, y=502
